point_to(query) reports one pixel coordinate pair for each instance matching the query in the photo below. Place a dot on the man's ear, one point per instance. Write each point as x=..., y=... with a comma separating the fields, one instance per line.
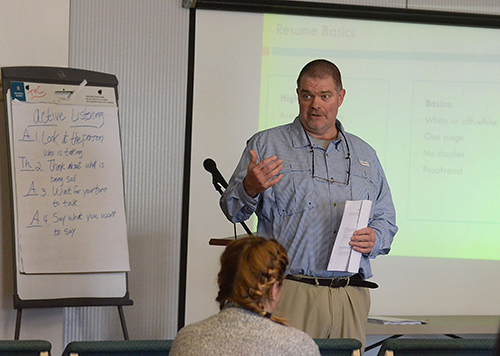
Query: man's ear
x=341, y=96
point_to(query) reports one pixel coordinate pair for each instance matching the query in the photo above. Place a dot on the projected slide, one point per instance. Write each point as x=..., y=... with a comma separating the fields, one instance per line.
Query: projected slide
x=428, y=103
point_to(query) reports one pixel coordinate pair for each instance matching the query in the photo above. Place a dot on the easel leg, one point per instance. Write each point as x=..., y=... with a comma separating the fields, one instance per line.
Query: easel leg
x=18, y=324
x=122, y=320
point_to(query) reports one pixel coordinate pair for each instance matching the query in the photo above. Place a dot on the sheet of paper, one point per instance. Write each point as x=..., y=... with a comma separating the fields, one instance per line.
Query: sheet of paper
x=343, y=257
x=68, y=199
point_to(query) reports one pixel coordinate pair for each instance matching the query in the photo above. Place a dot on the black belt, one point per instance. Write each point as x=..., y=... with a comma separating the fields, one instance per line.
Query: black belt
x=337, y=282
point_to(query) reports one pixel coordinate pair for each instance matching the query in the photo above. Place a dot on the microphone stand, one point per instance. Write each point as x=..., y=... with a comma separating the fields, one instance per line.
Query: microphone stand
x=218, y=187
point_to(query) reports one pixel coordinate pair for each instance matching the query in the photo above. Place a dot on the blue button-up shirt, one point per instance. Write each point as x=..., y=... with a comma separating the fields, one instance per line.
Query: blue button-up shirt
x=304, y=213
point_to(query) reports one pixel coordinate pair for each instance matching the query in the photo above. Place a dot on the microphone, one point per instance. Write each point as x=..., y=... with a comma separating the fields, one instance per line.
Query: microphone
x=211, y=167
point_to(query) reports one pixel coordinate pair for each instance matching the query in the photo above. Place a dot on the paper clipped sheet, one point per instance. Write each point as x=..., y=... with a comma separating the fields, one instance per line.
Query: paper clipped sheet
x=387, y=320
x=343, y=257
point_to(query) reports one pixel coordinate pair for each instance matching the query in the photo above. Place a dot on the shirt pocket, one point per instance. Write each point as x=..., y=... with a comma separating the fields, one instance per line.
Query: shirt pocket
x=295, y=192
x=364, y=183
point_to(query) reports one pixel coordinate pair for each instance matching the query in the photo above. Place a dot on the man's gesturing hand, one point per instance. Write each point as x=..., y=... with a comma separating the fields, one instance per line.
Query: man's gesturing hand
x=262, y=175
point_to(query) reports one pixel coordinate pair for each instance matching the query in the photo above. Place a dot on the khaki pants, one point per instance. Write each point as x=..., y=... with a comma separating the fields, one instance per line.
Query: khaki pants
x=324, y=312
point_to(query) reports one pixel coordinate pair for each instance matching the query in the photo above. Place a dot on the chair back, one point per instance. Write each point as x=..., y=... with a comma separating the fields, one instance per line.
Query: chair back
x=25, y=348
x=437, y=347
x=339, y=347
x=119, y=348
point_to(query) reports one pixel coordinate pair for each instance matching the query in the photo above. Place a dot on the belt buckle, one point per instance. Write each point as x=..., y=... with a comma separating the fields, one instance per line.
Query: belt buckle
x=334, y=282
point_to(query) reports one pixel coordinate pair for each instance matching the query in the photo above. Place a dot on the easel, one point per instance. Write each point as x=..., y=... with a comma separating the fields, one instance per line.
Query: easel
x=66, y=288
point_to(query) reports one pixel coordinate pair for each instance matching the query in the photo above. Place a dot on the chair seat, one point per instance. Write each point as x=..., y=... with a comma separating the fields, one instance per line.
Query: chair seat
x=338, y=347
x=437, y=347
x=119, y=348
x=25, y=347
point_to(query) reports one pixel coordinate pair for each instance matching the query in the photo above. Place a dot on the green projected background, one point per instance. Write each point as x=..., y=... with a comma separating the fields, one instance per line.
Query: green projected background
x=430, y=106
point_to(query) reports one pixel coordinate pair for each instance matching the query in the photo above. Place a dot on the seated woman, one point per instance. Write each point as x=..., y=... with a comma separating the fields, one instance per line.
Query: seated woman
x=250, y=281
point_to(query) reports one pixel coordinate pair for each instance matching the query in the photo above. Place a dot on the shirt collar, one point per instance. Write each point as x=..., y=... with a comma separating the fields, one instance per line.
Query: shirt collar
x=299, y=138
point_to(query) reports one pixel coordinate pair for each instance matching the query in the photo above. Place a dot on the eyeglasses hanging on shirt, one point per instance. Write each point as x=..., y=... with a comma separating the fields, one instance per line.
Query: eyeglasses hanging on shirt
x=347, y=159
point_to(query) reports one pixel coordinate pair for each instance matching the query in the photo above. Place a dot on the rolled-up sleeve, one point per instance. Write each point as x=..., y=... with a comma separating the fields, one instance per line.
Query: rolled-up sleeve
x=235, y=203
x=384, y=217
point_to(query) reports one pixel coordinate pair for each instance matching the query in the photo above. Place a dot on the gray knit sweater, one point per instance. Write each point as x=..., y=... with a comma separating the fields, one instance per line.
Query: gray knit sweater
x=237, y=331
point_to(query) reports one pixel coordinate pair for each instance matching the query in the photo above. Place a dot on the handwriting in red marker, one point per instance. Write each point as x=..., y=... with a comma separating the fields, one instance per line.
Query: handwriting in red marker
x=36, y=93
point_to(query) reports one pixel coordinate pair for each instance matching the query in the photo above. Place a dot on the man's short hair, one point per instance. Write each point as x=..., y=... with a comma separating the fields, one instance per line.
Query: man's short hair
x=322, y=69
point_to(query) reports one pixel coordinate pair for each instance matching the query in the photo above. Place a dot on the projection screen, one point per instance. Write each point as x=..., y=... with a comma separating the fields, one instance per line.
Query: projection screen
x=426, y=97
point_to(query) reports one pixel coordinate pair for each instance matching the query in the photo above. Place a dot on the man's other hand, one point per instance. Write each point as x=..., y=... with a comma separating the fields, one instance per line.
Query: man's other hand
x=363, y=240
